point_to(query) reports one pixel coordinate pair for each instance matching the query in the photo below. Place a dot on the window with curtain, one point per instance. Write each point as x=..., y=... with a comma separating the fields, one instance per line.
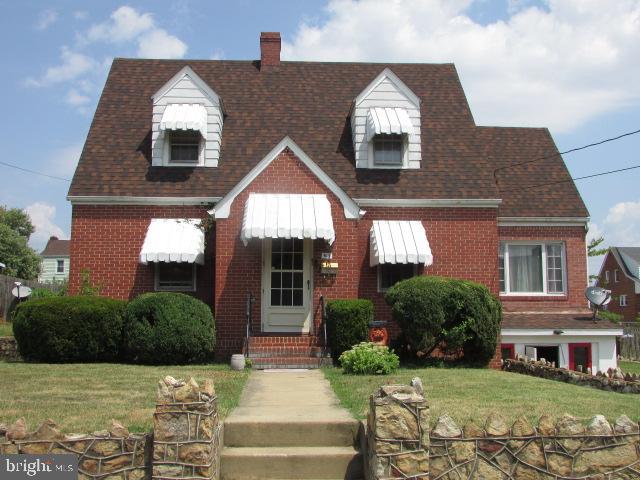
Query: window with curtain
x=536, y=268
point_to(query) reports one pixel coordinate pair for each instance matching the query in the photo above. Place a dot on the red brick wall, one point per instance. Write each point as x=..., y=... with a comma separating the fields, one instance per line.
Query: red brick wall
x=624, y=286
x=107, y=239
x=576, y=264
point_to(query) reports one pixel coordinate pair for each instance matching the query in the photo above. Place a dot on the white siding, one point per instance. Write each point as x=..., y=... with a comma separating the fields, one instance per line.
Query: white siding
x=49, y=271
x=386, y=93
x=186, y=90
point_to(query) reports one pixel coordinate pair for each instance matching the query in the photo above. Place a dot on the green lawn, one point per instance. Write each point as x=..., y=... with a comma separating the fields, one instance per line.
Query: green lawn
x=467, y=394
x=6, y=329
x=85, y=397
x=630, y=367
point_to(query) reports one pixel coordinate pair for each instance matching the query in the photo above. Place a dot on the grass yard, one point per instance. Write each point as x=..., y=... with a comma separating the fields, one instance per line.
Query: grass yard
x=6, y=329
x=85, y=397
x=630, y=367
x=467, y=394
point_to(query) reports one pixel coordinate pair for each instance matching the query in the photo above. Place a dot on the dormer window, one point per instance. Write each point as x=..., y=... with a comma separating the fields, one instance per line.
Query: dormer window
x=388, y=150
x=184, y=146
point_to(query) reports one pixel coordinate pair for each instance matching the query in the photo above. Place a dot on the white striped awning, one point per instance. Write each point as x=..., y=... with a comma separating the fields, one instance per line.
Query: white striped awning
x=385, y=120
x=185, y=116
x=395, y=241
x=173, y=240
x=286, y=215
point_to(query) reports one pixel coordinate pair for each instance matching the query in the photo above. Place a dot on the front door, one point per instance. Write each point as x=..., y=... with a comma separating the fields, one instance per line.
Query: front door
x=286, y=285
x=580, y=354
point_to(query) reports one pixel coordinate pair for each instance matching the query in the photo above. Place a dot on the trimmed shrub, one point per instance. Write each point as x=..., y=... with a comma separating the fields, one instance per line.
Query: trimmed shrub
x=69, y=329
x=168, y=328
x=447, y=313
x=611, y=316
x=348, y=323
x=367, y=358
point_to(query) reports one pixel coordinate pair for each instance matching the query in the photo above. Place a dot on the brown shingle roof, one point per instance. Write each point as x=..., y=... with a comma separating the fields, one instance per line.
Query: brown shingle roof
x=550, y=320
x=56, y=248
x=310, y=102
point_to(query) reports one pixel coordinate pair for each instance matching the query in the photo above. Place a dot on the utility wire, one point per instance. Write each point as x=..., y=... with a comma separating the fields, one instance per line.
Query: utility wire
x=600, y=174
x=557, y=154
x=34, y=172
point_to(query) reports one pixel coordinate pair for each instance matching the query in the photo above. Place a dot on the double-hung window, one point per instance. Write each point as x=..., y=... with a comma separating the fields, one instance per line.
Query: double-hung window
x=176, y=277
x=532, y=268
x=184, y=146
x=388, y=150
x=623, y=300
x=59, y=266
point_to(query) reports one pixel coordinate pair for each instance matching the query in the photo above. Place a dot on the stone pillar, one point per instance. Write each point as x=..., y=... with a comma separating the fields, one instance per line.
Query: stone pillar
x=186, y=430
x=398, y=434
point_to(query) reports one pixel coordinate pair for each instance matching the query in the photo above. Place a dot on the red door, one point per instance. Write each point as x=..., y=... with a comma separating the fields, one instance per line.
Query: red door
x=508, y=350
x=579, y=354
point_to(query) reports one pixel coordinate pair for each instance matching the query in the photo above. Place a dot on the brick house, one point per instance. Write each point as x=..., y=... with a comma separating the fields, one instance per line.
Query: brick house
x=318, y=179
x=620, y=273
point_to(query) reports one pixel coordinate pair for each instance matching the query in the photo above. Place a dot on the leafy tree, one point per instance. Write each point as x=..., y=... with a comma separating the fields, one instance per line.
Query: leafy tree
x=17, y=220
x=20, y=259
x=592, y=248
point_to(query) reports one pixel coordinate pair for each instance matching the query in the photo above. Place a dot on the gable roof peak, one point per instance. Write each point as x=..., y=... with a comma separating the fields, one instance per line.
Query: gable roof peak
x=188, y=72
x=387, y=73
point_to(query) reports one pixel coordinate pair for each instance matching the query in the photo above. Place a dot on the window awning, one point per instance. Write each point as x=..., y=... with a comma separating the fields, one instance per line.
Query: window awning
x=394, y=241
x=386, y=120
x=173, y=240
x=287, y=216
x=185, y=116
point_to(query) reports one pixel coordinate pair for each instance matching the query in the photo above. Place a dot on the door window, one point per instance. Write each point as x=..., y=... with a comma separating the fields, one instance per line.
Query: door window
x=287, y=271
x=579, y=354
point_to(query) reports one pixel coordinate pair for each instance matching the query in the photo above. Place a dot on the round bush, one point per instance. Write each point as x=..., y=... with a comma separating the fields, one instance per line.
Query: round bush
x=168, y=328
x=69, y=329
x=348, y=323
x=448, y=313
x=367, y=358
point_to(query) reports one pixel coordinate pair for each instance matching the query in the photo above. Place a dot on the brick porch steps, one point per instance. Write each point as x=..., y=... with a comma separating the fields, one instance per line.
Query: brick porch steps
x=295, y=351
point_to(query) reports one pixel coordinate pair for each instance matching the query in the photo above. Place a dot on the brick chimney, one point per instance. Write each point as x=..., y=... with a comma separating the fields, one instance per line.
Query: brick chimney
x=269, y=50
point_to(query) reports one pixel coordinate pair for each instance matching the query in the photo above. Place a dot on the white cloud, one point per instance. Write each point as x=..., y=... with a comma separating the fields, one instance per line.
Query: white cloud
x=76, y=99
x=80, y=15
x=124, y=24
x=557, y=67
x=72, y=66
x=46, y=19
x=159, y=44
x=218, y=54
x=43, y=218
x=62, y=161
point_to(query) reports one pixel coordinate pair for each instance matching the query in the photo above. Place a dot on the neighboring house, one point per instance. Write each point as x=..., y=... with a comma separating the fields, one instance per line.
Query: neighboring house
x=377, y=169
x=620, y=273
x=55, y=261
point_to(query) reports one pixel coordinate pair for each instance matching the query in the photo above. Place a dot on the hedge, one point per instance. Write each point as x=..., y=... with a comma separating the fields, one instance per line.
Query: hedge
x=69, y=329
x=168, y=328
x=447, y=313
x=347, y=323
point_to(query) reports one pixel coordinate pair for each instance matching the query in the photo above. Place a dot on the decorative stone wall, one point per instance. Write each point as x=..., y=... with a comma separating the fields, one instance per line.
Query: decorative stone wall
x=612, y=380
x=186, y=443
x=9, y=349
x=110, y=454
x=398, y=434
x=564, y=449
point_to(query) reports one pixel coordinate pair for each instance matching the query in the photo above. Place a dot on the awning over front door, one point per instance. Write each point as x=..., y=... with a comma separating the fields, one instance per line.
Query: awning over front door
x=395, y=241
x=173, y=240
x=287, y=215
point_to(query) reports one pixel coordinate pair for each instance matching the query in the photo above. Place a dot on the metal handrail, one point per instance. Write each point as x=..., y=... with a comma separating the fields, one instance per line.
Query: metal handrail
x=250, y=300
x=323, y=311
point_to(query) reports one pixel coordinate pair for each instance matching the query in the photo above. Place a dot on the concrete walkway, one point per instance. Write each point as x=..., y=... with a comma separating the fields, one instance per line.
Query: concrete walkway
x=289, y=424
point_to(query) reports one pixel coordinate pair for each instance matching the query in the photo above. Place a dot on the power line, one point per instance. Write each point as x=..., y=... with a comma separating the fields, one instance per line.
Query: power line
x=34, y=172
x=600, y=174
x=557, y=154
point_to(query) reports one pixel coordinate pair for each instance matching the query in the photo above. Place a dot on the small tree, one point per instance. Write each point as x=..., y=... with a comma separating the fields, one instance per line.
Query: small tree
x=592, y=247
x=20, y=259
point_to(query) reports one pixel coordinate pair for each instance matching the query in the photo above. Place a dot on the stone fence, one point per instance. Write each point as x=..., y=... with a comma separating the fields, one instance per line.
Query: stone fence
x=185, y=443
x=612, y=380
x=9, y=349
x=400, y=444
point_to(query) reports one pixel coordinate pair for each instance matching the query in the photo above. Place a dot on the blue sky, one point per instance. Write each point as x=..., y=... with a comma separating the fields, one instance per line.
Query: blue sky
x=566, y=64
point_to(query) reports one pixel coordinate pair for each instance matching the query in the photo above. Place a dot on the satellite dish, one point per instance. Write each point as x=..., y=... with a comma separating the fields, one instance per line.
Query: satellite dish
x=598, y=296
x=21, y=291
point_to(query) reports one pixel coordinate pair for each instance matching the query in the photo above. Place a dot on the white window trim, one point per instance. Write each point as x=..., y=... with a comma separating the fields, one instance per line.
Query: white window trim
x=405, y=156
x=158, y=288
x=616, y=277
x=379, y=274
x=58, y=260
x=166, y=152
x=544, y=293
x=606, y=276
x=623, y=301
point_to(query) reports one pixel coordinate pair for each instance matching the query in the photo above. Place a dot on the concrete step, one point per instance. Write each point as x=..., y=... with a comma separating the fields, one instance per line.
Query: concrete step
x=263, y=363
x=290, y=463
x=260, y=432
x=260, y=351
